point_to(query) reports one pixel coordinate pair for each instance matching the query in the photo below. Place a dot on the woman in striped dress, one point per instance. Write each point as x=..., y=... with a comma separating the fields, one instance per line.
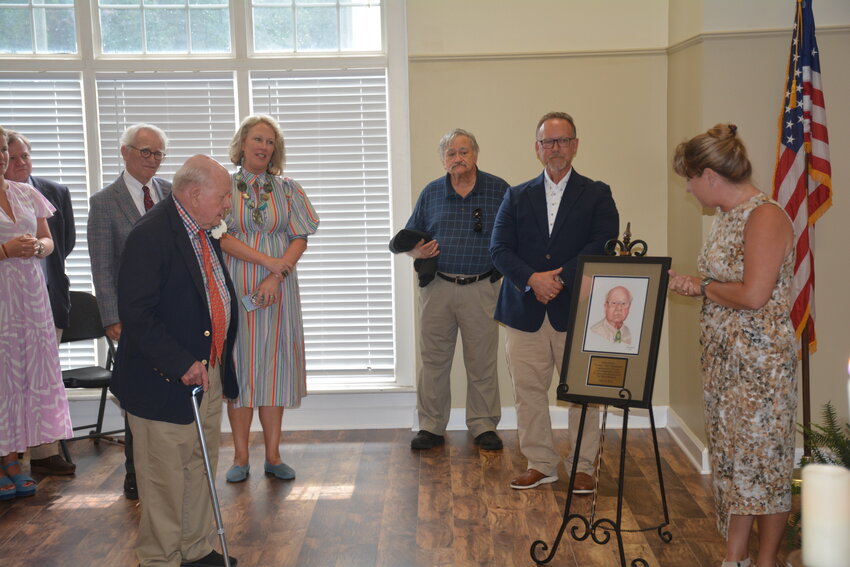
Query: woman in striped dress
x=273, y=217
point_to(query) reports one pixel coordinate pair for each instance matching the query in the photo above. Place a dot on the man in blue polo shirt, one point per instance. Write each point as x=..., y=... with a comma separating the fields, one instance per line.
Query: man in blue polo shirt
x=457, y=212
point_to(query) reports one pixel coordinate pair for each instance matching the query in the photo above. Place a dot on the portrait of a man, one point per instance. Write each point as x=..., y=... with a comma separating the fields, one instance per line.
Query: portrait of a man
x=615, y=315
x=612, y=327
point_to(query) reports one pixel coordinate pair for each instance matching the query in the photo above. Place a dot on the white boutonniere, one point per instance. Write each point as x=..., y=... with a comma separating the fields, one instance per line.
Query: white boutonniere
x=219, y=230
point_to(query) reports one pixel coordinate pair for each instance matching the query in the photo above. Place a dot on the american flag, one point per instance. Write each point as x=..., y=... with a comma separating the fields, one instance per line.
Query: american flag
x=802, y=181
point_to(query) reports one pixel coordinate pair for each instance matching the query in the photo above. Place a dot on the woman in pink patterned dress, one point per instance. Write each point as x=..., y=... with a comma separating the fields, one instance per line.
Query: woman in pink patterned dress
x=33, y=406
x=749, y=348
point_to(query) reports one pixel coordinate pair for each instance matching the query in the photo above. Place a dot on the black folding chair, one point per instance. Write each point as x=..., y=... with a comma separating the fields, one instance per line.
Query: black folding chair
x=85, y=324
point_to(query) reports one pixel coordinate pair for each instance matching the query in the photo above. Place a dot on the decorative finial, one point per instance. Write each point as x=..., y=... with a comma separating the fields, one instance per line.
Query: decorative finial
x=626, y=247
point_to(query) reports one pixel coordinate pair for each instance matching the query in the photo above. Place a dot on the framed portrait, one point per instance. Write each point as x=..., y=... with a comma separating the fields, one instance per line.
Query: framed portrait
x=614, y=330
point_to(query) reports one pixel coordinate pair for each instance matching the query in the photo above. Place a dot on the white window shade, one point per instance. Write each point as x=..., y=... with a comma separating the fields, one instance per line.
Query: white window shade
x=336, y=129
x=47, y=109
x=196, y=111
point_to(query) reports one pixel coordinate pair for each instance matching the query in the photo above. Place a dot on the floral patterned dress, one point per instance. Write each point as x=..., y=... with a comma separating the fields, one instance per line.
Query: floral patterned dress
x=269, y=350
x=749, y=362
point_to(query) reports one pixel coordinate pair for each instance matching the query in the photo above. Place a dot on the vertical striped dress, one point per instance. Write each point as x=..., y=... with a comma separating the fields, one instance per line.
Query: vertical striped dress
x=269, y=353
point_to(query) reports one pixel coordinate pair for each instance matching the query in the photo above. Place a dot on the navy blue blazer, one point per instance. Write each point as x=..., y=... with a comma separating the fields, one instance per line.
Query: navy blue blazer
x=64, y=235
x=165, y=319
x=520, y=245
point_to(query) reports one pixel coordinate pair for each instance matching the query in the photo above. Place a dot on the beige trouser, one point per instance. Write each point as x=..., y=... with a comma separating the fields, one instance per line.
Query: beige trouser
x=445, y=308
x=532, y=358
x=47, y=450
x=177, y=514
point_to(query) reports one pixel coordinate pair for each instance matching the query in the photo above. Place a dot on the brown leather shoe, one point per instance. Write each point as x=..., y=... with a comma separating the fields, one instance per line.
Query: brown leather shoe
x=530, y=479
x=583, y=484
x=53, y=464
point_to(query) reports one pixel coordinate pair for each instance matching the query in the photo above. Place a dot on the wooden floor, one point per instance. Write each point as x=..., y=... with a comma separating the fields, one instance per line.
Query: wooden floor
x=363, y=498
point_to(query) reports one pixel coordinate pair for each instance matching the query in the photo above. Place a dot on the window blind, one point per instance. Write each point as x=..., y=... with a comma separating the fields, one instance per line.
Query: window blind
x=47, y=109
x=336, y=129
x=195, y=110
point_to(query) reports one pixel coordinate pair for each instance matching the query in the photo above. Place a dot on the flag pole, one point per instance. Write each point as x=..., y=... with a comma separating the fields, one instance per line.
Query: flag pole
x=807, y=404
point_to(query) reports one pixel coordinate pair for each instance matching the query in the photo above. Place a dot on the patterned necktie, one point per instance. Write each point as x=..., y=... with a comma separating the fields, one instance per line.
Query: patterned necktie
x=147, y=200
x=216, y=304
x=618, y=337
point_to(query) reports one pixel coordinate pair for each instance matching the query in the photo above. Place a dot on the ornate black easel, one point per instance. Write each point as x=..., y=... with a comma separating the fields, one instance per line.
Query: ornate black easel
x=600, y=529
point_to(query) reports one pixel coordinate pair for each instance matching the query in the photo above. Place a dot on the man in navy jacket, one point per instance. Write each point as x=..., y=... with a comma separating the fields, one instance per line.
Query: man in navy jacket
x=542, y=227
x=178, y=313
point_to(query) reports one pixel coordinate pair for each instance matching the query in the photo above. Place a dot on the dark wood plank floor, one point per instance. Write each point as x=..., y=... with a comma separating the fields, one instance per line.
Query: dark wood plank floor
x=363, y=498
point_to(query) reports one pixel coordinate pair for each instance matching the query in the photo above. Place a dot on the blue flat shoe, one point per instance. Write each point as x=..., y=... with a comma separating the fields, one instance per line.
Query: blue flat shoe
x=8, y=493
x=281, y=471
x=237, y=473
x=20, y=480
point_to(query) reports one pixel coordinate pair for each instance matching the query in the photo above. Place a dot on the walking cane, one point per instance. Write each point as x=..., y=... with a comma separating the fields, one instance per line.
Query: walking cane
x=211, y=481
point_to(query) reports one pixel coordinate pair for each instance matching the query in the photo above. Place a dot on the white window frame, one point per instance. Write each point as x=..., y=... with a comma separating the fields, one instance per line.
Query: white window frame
x=88, y=63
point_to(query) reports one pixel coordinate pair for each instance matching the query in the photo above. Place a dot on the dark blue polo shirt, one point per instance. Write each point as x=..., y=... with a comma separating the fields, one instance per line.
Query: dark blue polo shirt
x=450, y=220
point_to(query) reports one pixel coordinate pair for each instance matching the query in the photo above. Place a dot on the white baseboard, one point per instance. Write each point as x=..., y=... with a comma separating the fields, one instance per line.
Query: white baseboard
x=373, y=410
x=693, y=447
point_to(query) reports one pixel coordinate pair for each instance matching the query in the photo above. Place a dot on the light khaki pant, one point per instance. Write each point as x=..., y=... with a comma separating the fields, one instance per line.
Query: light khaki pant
x=177, y=515
x=445, y=309
x=532, y=359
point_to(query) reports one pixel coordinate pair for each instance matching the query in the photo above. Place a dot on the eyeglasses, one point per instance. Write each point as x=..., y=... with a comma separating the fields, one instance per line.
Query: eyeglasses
x=146, y=153
x=549, y=143
x=478, y=225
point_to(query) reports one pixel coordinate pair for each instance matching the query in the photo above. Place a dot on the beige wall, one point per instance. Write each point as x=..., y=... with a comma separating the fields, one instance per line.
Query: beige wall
x=495, y=67
x=685, y=117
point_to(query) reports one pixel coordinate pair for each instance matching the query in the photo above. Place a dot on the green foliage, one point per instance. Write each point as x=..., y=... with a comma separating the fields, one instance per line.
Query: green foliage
x=830, y=442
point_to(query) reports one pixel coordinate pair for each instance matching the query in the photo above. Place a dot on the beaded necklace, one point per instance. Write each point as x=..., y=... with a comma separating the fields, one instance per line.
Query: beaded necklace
x=242, y=183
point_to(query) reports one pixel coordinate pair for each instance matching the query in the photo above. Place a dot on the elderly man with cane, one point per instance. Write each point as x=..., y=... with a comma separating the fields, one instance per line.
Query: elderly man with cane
x=178, y=312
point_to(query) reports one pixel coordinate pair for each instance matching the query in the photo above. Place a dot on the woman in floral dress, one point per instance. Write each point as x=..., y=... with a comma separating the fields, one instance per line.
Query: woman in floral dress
x=270, y=220
x=749, y=347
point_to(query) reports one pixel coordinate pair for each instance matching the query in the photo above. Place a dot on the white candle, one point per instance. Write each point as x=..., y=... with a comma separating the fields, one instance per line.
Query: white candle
x=826, y=516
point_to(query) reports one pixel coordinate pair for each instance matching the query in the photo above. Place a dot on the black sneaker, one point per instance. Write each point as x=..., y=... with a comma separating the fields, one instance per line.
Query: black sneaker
x=131, y=490
x=426, y=440
x=212, y=559
x=489, y=441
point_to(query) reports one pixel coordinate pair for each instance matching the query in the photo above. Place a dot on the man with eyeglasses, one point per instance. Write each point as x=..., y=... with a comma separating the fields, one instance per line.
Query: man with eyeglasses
x=542, y=227
x=613, y=328
x=113, y=212
x=456, y=212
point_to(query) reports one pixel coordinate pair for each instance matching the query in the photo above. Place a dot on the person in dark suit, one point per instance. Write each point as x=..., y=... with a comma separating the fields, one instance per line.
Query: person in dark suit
x=113, y=212
x=178, y=312
x=45, y=458
x=542, y=227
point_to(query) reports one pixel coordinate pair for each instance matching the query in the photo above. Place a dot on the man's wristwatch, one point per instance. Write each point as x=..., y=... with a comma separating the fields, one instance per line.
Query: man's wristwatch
x=704, y=284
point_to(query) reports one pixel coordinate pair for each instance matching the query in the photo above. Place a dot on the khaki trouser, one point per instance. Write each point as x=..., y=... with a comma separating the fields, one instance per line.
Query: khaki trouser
x=445, y=308
x=177, y=515
x=532, y=359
